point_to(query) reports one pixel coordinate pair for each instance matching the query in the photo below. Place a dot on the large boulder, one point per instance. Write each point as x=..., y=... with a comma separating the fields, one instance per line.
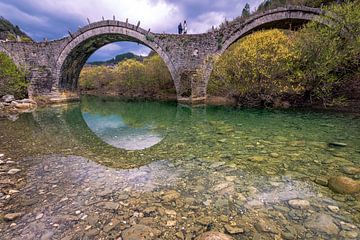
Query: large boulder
x=345, y=185
x=8, y=98
x=214, y=236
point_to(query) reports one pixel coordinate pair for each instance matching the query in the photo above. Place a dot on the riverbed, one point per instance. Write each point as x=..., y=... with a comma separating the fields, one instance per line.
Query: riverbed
x=107, y=168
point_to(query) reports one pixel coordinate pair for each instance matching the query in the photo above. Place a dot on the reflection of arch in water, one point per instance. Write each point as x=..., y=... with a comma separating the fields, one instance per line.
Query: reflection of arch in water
x=129, y=125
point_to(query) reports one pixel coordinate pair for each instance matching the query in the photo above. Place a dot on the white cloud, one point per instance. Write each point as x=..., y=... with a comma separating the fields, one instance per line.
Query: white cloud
x=156, y=14
x=205, y=21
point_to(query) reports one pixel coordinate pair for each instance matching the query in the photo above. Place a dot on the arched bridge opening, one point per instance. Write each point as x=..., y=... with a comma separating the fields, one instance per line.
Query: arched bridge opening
x=81, y=45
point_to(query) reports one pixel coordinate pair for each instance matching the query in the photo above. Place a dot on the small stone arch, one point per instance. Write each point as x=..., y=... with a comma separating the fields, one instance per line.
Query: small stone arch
x=80, y=45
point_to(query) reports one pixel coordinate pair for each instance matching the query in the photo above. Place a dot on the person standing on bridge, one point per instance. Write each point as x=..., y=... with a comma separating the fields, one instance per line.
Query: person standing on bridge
x=185, y=27
x=180, y=28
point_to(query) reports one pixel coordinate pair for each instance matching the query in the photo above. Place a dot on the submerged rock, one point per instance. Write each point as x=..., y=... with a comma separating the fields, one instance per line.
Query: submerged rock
x=140, y=232
x=337, y=144
x=214, y=236
x=299, y=204
x=12, y=216
x=350, y=170
x=345, y=185
x=8, y=98
x=322, y=223
x=171, y=196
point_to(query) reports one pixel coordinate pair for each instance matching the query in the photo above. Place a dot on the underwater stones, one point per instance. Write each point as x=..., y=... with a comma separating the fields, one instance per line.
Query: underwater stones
x=274, y=155
x=8, y=98
x=233, y=229
x=299, y=204
x=214, y=236
x=170, y=196
x=321, y=181
x=322, y=223
x=258, y=158
x=110, y=205
x=140, y=232
x=217, y=164
x=263, y=225
x=350, y=170
x=204, y=220
x=337, y=144
x=12, y=216
x=13, y=171
x=344, y=185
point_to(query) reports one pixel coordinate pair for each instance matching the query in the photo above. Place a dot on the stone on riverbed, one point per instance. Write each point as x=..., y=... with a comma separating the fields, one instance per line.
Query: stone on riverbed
x=13, y=171
x=12, y=216
x=171, y=196
x=322, y=223
x=214, y=236
x=8, y=98
x=345, y=185
x=233, y=230
x=140, y=232
x=299, y=204
x=350, y=170
x=337, y=144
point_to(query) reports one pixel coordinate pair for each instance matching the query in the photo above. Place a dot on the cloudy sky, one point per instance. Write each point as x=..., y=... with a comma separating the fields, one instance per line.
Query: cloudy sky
x=53, y=18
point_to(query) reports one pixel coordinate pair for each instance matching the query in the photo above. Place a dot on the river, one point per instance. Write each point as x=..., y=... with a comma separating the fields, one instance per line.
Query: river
x=107, y=168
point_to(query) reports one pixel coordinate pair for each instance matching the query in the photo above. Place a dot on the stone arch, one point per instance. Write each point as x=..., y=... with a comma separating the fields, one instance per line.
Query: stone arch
x=291, y=17
x=80, y=45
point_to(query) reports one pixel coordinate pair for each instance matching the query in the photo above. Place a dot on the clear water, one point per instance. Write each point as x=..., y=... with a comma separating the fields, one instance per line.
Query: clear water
x=230, y=167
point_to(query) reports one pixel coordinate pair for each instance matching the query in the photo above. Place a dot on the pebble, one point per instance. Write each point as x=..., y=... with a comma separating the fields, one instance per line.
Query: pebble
x=334, y=209
x=13, y=191
x=12, y=216
x=299, y=204
x=170, y=223
x=2, y=155
x=233, y=230
x=322, y=223
x=214, y=236
x=171, y=196
x=13, y=171
x=39, y=216
x=321, y=181
x=337, y=144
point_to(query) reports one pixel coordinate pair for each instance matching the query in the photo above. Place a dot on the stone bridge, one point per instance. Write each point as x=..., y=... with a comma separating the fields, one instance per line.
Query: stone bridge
x=53, y=67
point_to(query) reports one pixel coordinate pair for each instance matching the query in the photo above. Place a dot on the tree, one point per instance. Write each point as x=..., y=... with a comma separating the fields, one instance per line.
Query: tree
x=246, y=10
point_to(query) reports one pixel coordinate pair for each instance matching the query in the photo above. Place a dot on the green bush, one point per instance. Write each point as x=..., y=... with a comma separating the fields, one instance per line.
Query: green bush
x=12, y=79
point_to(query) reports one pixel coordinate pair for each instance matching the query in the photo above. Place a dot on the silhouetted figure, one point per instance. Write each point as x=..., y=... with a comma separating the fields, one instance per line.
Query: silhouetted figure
x=180, y=28
x=185, y=27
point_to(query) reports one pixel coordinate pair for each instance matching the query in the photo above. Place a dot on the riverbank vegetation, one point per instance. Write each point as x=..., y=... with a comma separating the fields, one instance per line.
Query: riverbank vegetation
x=12, y=79
x=149, y=78
x=317, y=64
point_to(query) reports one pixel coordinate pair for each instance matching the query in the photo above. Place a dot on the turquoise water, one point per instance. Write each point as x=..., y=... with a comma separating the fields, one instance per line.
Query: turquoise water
x=230, y=166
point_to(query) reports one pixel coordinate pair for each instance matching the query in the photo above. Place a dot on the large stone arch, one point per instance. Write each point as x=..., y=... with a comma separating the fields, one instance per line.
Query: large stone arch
x=80, y=45
x=291, y=17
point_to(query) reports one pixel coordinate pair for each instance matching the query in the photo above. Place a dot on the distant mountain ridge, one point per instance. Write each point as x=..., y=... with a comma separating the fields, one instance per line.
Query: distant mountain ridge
x=12, y=33
x=117, y=59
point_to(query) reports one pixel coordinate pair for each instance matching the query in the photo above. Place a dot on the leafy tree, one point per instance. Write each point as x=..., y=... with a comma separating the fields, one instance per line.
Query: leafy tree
x=12, y=79
x=330, y=56
x=256, y=67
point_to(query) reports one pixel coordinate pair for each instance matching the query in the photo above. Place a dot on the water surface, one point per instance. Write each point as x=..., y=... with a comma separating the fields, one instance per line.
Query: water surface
x=180, y=170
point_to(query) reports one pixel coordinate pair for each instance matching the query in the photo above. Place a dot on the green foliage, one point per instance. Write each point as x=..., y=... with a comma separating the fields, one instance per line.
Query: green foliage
x=9, y=31
x=130, y=78
x=329, y=56
x=258, y=65
x=314, y=64
x=12, y=79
